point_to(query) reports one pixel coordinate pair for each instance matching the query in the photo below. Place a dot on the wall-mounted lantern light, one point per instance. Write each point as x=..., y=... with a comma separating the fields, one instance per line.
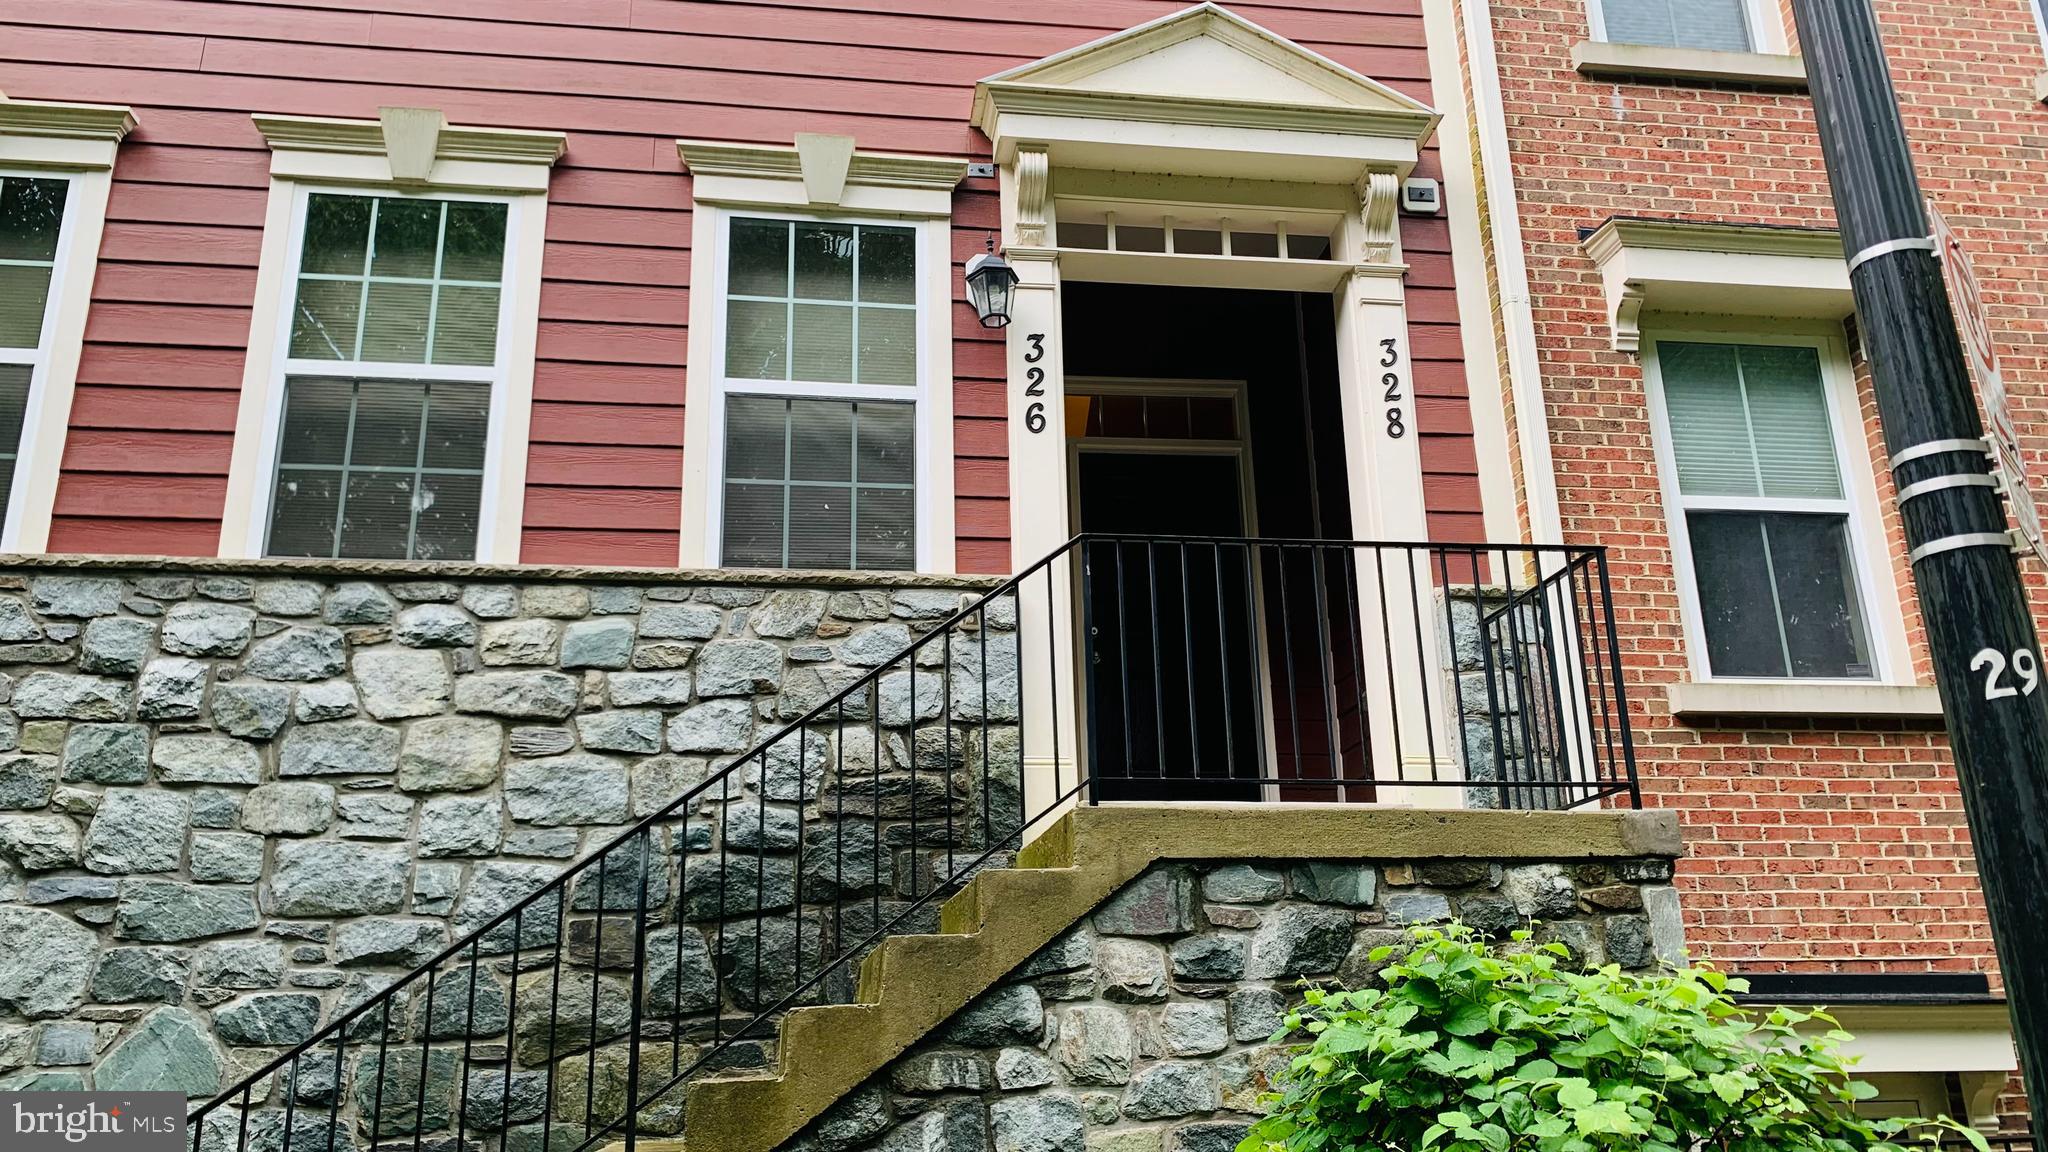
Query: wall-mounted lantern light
x=991, y=284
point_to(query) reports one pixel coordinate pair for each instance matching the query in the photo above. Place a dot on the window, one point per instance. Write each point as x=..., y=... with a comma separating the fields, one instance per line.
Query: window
x=31, y=224
x=1760, y=512
x=1724, y=25
x=391, y=359
x=820, y=390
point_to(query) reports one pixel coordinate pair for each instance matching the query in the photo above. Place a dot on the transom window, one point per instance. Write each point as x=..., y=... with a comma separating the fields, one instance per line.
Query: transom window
x=31, y=225
x=1723, y=25
x=389, y=376
x=1762, y=511
x=819, y=395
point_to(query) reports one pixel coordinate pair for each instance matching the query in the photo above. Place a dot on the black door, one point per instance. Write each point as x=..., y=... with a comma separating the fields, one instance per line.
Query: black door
x=1173, y=678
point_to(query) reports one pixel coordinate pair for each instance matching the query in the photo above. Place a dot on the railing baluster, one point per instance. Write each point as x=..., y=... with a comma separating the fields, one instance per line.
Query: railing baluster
x=1326, y=667
x=1223, y=666
x=1123, y=662
x=639, y=988
x=1158, y=665
x=1268, y=758
x=1187, y=641
x=1422, y=665
x=1287, y=664
x=1379, y=583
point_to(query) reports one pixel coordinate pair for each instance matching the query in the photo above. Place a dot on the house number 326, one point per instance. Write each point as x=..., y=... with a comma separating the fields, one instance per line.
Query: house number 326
x=1034, y=383
x=1390, y=385
x=1992, y=663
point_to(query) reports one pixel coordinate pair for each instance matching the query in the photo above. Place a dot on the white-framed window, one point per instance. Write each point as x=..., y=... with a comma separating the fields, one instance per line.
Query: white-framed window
x=393, y=363
x=820, y=453
x=1773, y=537
x=1718, y=25
x=387, y=392
x=36, y=214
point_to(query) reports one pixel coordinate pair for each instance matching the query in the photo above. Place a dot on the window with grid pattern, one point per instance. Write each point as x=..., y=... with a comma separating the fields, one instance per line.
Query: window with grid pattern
x=383, y=458
x=825, y=479
x=31, y=225
x=1713, y=24
x=1764, y=511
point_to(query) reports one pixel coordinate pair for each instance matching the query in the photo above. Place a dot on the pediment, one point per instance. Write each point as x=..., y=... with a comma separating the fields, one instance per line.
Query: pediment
x=1205, y=54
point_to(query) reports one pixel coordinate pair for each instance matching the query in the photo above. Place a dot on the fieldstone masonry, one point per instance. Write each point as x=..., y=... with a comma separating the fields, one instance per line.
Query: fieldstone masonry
x=235, y=802
x=1148, y=1028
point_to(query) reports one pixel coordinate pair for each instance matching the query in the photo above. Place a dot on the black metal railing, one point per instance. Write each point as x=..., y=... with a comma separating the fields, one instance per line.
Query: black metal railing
x=574, y=1010
x=1237, y=668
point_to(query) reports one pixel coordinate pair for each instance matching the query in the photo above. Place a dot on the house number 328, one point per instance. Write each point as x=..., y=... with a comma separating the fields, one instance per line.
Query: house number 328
x=1390, y=384
x=1993, y=663
x=1034, y=383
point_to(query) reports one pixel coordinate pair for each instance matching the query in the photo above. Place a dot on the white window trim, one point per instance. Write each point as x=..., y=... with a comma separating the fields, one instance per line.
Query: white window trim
x=821, y=178
x=1883, y=620
x=409, y=153
x=1766, y=27
x=77, y=143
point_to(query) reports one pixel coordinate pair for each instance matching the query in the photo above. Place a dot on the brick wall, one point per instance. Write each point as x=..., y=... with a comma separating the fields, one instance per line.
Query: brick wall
x=1815, y=845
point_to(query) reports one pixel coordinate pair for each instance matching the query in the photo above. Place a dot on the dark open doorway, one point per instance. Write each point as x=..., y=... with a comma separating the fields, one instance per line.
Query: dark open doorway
x=1200, y=419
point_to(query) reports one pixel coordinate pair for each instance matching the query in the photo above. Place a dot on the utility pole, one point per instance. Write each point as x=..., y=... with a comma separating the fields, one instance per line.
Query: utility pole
x=1987, y=658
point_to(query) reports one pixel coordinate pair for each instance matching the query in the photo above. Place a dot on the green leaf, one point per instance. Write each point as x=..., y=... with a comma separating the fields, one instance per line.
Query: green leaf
x=1454, y=1119
x=1604, y=1116
x=1469, y=1019
x=1575, y=1093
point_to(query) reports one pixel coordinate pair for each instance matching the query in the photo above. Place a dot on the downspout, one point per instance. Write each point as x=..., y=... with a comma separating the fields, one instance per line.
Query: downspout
x=1518, y=321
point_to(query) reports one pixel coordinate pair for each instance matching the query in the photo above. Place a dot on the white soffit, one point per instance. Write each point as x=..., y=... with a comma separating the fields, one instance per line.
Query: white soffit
x=1728, y=269
x=1203, y=92
x=821, y=172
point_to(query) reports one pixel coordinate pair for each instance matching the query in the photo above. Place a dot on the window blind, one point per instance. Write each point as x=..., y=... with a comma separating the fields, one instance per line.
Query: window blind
x=1749, y=421
x=1712, y=24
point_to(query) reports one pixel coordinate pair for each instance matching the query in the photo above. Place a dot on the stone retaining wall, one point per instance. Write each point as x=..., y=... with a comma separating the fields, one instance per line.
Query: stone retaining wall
x=232, y=802
x=1148, y=1028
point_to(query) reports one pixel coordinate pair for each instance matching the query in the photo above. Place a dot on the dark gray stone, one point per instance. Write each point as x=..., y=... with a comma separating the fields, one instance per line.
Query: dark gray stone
x=1243, y=884
x=434, y=626
x=226, y=858
x=605, y=643
x=1211, y=956
x=680, y=621
x=738, y=668
x=1256, y=1013
x=57, y=889
x=1159, y=903
x=1299, y=940
x=116, y=645
x=621, y=731
x=389, y=943
x=343, y=748
x=461, y=826
x=519, y=695
x=330, y=878
x=137, y=830
x=1045, y=1123
x=1628, y=941
x=106, y=753
x=45, y=963
x=134, y=975
x=64, y=696
x=1217, y=1137
x=1171, y=1088
x=450, y=754
x=1011, y=1015
x=291, y=808
x=168, y=1052
x=942, y=1071
x=44, y=844
x=1193, y=1028
x=166, y=912
x=26, y=781
x=680, y=979
x=633, y=689
x=358, y=603
x=76, y=596
x=327, y=700
x=313, y=653
x=578, y=788
x=1417, y=908
x=202, y=759
x=404, y=1105
x=1353, y=885
x=714, y=726
x=277, y=1020
x=251, y=711
x=64, y=1045
x=200, y=629
x=1095, y=1045
x=245, y=964
x=1130, y=971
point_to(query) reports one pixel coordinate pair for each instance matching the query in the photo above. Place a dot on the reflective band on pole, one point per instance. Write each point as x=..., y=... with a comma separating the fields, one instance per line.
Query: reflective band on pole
x=1906, y=243
x=1940, y=447
x=1963, y=540
x=1943, y=483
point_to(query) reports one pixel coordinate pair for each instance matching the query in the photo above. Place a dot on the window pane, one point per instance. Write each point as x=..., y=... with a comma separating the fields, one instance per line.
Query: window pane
x=824, y=261
x=820, y=527
x=888, y=443
x=760, y=258
x=475, y=245
x=754, y=437
x=1717, y=24
x=1778, y=595
x=408, y=232
x=324, y=324
x=1816, y=584
x=752, y=535
x=1788, y=412
x=824, y=344
x=458, y=425
x=449, y=511
x=821, y=440
x=360, y=441
x=888, y=521
x=14, y=383
x=31, y=217
x=888, y=266
x=302, y=513
x=1709, y=428
x=315, y=422
x=337, y=234
x=466, y=326
x=1736, y=609
x=888, y=346
x=24, y=290
x=387, y=431
x=395, y=329
x=756, y=340
x=377, y=520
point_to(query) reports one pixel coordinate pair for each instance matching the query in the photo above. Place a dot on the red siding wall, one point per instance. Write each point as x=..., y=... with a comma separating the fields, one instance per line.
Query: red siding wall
x=146, y=466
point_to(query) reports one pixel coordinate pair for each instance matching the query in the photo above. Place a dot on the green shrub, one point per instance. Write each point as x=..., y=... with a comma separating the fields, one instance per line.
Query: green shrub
x=1475, y=1049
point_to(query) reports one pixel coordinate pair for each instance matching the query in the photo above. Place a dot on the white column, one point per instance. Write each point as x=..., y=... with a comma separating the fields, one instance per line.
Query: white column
x=1039, y=526
x=1411, y=729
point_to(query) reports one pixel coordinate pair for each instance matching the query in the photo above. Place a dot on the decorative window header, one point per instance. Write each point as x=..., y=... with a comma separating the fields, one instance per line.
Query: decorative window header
x=76, y=136
x=410, y=146
x=1650, y=265
x=821, y=171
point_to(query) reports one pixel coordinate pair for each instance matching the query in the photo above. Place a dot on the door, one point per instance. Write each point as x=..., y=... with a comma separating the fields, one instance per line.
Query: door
x=1168, y=644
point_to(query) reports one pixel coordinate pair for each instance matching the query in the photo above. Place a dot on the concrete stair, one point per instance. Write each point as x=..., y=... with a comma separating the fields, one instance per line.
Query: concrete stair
x=910, y=985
